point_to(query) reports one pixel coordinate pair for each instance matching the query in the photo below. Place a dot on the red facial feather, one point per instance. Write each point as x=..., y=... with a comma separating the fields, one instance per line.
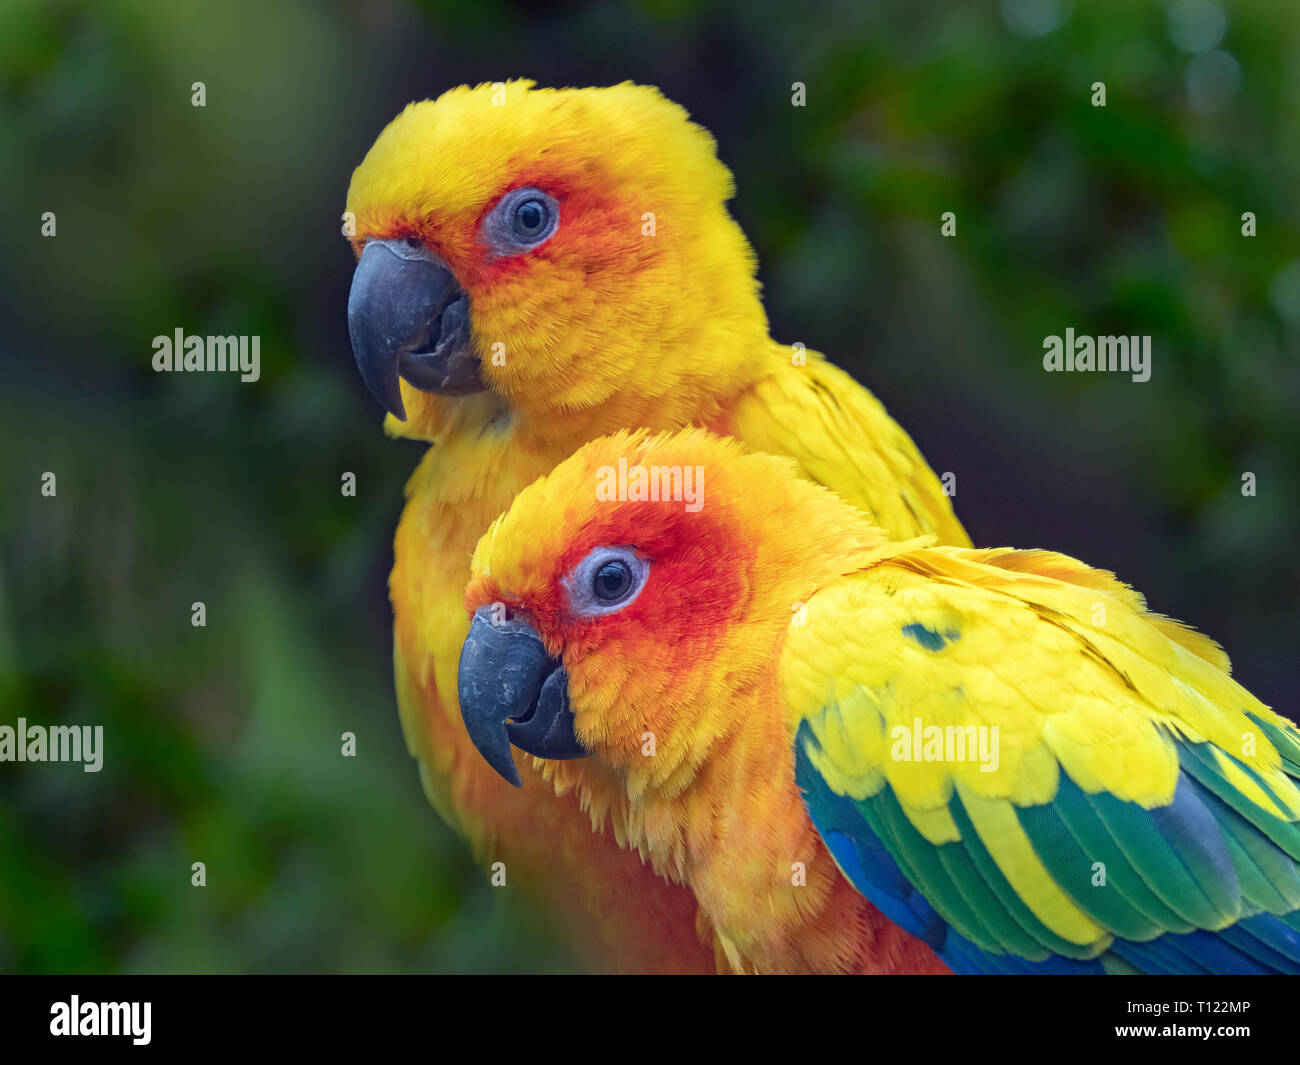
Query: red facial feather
x=597, y=226
x=694, y=591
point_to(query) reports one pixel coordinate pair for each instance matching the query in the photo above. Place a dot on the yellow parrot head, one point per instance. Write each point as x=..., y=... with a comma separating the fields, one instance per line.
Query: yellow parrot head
x=629, y=595
x=553, y=247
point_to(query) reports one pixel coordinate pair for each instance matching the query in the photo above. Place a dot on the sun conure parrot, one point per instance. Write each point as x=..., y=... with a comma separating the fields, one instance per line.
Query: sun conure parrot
x=864, y=755
x=537, y=268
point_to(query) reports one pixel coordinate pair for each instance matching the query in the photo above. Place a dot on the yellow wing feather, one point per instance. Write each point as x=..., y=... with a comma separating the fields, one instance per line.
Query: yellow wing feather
x=1059, y=667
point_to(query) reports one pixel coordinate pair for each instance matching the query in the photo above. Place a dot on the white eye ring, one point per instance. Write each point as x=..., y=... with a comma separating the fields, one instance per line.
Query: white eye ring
x=593, y=587
x=501, y=228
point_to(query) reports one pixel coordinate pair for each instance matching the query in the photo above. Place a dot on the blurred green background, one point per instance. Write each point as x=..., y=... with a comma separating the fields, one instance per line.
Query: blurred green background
x=223, y=743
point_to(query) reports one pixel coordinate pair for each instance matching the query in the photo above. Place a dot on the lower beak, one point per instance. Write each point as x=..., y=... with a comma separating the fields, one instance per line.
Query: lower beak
x=511, y=691
x=408, y=317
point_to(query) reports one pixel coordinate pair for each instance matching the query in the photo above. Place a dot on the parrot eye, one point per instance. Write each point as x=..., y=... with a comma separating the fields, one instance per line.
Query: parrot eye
x=606, y=581
x=612, y=581
x=531, y=219
x=523, y=219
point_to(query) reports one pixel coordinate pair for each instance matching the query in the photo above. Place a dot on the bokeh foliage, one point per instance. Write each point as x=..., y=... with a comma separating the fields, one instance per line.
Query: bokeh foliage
x=222, y=743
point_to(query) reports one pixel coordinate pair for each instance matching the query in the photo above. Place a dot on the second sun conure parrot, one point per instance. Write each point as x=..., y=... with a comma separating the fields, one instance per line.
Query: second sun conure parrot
x=861, y=755
x=536, y=268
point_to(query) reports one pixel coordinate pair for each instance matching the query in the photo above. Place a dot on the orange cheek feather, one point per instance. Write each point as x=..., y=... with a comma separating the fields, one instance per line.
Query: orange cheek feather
x=694, y=593
x=696, y=589
x=596, y=226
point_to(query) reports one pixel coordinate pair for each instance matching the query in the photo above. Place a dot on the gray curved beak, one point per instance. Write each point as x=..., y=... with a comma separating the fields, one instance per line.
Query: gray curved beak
x=408, y=317
x=511, y=692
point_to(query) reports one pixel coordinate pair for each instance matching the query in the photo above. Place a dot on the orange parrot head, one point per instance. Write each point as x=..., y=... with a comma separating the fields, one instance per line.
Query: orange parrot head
x=634, y=592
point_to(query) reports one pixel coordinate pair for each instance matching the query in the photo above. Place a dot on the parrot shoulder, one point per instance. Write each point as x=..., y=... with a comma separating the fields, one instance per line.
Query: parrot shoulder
x=843, y=438
x=1050, y=564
